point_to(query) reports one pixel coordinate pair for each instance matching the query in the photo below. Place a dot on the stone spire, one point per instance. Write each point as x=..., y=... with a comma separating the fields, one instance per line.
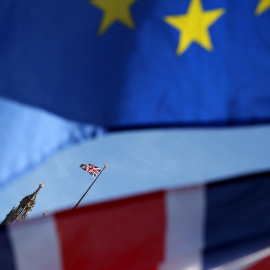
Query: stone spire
x=26, y=205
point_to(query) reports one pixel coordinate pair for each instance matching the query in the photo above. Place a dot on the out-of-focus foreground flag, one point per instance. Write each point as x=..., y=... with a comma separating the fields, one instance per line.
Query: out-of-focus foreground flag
x=118, y=64
x=220, y=225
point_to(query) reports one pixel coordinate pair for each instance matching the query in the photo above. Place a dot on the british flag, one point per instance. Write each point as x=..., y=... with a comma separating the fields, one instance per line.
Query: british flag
x=92, y=169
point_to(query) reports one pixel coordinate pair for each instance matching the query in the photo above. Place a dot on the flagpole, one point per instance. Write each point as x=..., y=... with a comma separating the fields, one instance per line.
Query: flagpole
x=105, y=166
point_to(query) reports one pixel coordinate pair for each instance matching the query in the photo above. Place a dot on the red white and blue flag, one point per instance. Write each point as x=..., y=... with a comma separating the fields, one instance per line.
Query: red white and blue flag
x=221, y=225
x=92, y=169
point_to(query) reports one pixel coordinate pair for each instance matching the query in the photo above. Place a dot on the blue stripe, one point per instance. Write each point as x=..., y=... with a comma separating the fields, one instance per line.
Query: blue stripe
x=237, y=218
x=6, y=255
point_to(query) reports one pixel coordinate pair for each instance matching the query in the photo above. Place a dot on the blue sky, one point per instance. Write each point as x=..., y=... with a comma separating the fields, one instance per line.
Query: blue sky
x=139, y=162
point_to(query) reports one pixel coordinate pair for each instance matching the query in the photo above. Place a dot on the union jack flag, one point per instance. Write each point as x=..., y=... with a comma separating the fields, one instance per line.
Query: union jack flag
x=92, y=169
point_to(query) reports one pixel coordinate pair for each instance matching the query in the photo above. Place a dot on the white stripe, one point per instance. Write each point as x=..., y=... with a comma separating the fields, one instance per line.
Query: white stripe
x=35, y=244
x=188, y=262
x=185, y=225
x=246, y=261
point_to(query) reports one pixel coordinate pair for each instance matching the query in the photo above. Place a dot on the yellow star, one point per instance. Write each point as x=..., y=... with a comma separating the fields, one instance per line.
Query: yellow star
x=262, y=6
x=194, y=26
x=114, y=10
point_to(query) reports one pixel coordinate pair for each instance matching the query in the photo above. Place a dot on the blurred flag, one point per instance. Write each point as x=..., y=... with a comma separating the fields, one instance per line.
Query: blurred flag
x=132, y=63
x=121, y=64
x=29, y=136
x=92, y=169
x=220, y=225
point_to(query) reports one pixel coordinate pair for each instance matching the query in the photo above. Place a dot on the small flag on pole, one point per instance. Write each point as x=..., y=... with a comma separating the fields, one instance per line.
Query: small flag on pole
x=92, y=169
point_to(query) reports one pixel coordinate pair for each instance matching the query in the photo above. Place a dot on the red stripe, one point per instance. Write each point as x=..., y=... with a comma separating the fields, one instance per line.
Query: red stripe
x=123, y=234
x=264, y=264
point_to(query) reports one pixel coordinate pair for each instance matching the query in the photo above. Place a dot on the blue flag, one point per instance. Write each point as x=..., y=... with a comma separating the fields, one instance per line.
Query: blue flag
x=120, y=64
x=134, y=63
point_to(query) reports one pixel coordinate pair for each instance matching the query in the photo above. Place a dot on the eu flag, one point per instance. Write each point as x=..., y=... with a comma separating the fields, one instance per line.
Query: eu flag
x=134, y=63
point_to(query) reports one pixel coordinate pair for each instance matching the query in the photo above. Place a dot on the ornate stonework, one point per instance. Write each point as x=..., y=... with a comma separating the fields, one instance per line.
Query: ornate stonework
x=21, y=211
